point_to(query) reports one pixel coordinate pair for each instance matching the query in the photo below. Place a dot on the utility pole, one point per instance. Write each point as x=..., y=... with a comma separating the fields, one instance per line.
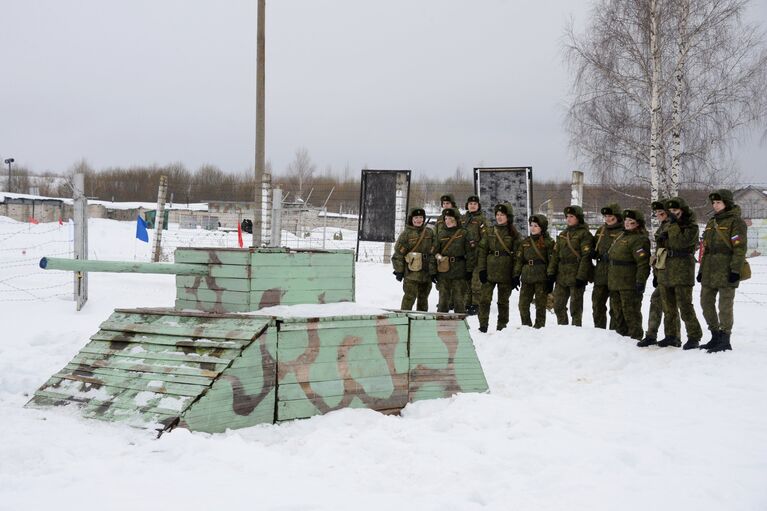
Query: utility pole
x=260, y=122
x=159, y=218
x=81, y=238
x=8, y=161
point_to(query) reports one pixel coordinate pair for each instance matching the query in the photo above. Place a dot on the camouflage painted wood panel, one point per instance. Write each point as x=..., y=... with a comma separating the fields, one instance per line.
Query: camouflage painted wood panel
x=302, y=283
x=266, y=272
x=293, y=259
x=235, y=256
x=212, y=307
x=282, y=296
x=213, y=295
x=193, y=281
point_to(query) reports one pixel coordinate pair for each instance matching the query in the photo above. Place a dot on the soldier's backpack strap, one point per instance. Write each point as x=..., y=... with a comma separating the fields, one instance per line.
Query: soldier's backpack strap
x=538, y=252
x=420, y=239
x=451, y=240
x=500, y=240
x=615, y=243
x=722, y=236
x=569, y=245
x=600, y=235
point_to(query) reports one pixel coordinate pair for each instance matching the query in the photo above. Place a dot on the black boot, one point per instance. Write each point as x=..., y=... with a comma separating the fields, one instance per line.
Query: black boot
x=670, y=340
x=714, y=338
x=500, y=327
x=691, y=344
x=722, y=344
x=483, y=329
x=647, y=341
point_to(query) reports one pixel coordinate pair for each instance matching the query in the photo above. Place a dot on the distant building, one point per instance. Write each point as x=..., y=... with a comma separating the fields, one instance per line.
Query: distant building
x=753, y=205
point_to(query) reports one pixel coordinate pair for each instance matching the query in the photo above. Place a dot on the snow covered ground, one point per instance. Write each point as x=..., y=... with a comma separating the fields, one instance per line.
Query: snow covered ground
x=576, y=419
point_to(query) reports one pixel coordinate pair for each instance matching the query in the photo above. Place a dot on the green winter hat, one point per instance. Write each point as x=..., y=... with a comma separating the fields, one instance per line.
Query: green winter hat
x=448, y=197
x=658, y=205
x=415, y=212
x=723, y=195
x=504, y=208
x=541, y=220
x=634, y=214
x=473, y=198
x=453, y=212
x=613, y=209
x=680, y=203
x=575, y=210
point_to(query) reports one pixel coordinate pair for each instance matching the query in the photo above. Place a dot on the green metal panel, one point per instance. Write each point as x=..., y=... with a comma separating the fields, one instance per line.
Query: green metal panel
x=235, y=256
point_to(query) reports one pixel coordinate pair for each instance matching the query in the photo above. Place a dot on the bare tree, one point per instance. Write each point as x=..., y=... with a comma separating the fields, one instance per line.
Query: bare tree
x=300, y=170
x=661, y=88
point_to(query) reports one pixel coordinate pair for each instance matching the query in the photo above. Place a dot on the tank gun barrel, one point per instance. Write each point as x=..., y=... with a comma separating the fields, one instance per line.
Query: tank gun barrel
x=55, y=263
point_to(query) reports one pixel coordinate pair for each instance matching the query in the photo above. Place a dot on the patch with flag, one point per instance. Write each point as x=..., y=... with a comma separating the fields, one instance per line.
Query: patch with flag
x=641, y=252
x=735, y=239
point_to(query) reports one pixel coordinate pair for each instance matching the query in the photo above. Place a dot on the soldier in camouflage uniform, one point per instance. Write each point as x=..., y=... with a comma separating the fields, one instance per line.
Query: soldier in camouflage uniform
x=411, y=261
x=570, y=266
x=475, y=222
x=629, y=267
x=452, y=263
x=495, y=260
x=724, y=257
x=605, y=235
x=656, y=302
x=530, y=264
x=677, y=279
x=446, y=201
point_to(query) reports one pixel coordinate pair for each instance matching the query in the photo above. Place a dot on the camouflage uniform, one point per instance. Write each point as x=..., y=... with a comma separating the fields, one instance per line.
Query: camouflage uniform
x=600, y=294
x=452, y=283
x=677, y=279
x=571, y=267
x=629, y=267
x=439, y=224
x=496, y=263
x=531, y=270
x=476, y=223
x=721, y=267
x=416, y=284
x=655, y=315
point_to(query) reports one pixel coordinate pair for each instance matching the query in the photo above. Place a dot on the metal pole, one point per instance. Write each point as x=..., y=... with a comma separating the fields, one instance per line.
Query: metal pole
x=324, y=226
x=81, y=238
x=260, y=122
x=276, y=239
x=159, y=218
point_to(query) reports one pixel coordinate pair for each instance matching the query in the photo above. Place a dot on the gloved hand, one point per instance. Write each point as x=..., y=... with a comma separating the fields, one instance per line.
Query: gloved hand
x=580, y=283
x=654, y=281
x=639, y=287
x=434, y=278
x=550, y=281
x=733, y=277
x=483, y=276
x=399, y=276
x=699, y=278
x=515, y=280
x=467, y=276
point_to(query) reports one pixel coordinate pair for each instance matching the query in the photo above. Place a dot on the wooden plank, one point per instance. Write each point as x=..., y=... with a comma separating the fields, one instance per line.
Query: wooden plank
x=323, y=371
x=212, y=256
x=302, y=283
x=106, y=373
x=208, y=341
x=212, y=307
x=376, y=386
x=234, y=323
x=144, y=365
x=293, y=259
x=301, y=325
x=284, y=296
x=227, y=337
x=230, y=271
x=339, y=336
x=138, y=384
x=210, y=283
x=359, y=353
x=142, y=352
x=208, y=295
x=268, y=272
x=288, y=410
x=122, y=404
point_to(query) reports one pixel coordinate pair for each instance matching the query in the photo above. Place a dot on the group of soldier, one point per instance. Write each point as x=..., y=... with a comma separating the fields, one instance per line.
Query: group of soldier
x=467, y=257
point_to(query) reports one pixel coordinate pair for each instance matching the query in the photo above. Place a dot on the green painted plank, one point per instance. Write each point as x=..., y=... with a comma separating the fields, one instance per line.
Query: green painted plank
x=283, y=296
x=106, y=373
x=120, y=403
x=213, y=283
x=145, y=352
x=144, y=365
x=323, y=371
x=240, y=327
x=228, y=338
x=293, y=259
x=118, y=337
x=302, y=283
x=267, y=272
x=288, y=410
x=297, y=325
x=392, y=334
x=216, y=308
x=212, y=256
x=207, y=295
x=357, y=353
x=137, y=384
x=376, y=386
x=230, y=271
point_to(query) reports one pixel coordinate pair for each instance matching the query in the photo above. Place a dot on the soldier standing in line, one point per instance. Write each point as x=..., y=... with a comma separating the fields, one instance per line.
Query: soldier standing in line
x=530, y=264
x=411, y=261
x=475, y=222
x=678, y=278
x=629, y=260
x=722, y=266
x=495, y=259
x=570, y=266
x=446, y=201
x=605, y=236
x=453, y=262
x=658, y=264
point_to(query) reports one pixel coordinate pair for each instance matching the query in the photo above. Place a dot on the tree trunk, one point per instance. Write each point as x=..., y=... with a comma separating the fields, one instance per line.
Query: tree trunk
x=654, y=98
x=676, y=113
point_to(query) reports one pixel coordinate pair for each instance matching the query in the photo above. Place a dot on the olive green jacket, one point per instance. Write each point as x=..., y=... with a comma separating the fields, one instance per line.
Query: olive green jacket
x=680, y=244
x=476, y=223
x=603, y=240
x=719, y=257
x=528, y=264
x=493, y=257
x=463, y=258
x=629, y=260
x=569, y=265
x=406, y=241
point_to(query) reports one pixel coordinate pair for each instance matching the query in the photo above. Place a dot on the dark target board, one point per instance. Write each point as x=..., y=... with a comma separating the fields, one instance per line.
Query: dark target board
x=384, y=196
x=496, y=185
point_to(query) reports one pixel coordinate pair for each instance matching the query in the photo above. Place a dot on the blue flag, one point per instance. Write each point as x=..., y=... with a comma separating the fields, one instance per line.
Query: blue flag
x=141, y=229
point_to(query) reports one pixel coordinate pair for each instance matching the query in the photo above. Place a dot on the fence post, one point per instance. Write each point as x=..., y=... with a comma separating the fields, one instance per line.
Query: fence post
x=159, y=218
x=276, y=238
x=80, y=238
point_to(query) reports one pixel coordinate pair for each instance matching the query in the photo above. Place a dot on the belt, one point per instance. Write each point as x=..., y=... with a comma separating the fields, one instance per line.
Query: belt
x=569, y=262
x=724, y=251
x=678, y=253
x=456, y=258
x=500, y=253
x=613, y=262
x=603, y=258
x=531, y=262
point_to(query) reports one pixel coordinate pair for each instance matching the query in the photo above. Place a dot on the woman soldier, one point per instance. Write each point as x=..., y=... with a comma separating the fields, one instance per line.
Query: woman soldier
x=721, y=267
x=530, y=266
x=411, y=261
x=453, y=262
x=496, y=263
x=600, y=294
x=629, y=260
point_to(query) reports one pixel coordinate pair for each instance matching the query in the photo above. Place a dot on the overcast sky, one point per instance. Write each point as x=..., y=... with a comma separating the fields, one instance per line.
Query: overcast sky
x=421, y=84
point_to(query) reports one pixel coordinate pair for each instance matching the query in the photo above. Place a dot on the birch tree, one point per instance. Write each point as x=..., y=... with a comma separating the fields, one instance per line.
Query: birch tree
x=662, y=89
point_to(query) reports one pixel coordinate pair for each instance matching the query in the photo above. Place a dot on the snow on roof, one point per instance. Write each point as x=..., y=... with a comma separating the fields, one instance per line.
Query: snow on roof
x=201, y=206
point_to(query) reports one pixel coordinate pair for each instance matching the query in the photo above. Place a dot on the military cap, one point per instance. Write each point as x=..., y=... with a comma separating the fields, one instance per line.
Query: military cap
x=577, y=211
x=723, y=195
x=612, y=209
x=504, y=208
x=658, y=205
x=472, y=198
x=634, y=214
x=541, y=220
x=450, y=212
